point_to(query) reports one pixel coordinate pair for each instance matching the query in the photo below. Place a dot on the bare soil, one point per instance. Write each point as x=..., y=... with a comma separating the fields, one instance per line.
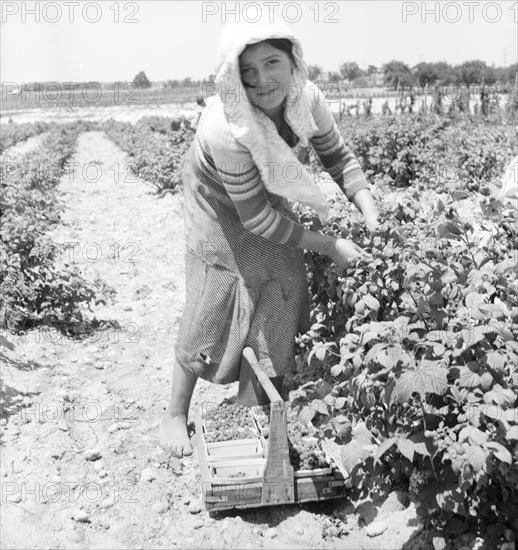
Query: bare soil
x=81, y=466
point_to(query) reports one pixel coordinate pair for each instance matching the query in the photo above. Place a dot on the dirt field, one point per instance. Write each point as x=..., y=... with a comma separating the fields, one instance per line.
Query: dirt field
x=81, y=466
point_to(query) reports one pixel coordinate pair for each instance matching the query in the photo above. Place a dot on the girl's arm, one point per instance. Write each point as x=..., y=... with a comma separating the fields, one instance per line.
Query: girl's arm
x=242, y=181
x=337, y=158
x=363, y=200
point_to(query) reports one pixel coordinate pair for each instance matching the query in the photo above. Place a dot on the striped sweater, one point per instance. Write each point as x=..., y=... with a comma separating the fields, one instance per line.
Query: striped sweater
x=223, y=159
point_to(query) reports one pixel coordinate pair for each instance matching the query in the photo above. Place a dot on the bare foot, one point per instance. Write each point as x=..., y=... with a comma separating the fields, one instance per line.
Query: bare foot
x=174, y=436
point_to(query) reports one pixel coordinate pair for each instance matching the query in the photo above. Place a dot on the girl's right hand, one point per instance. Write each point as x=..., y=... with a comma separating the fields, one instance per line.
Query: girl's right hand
x=346, y=252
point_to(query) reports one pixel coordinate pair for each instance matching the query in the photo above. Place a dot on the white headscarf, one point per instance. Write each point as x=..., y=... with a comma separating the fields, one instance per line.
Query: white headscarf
x=256, y=131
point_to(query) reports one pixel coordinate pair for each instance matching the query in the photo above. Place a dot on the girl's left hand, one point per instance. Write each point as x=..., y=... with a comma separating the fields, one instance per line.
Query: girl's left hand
x=372, y=223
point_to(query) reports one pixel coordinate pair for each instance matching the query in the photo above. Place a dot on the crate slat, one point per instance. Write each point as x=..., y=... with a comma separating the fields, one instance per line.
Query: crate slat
x=271, y=479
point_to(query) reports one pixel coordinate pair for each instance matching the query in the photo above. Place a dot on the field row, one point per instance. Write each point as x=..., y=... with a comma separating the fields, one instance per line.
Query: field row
x=412, y=354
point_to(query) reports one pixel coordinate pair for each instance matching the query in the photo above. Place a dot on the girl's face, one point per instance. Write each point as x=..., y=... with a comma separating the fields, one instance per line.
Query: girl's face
x=265, y=73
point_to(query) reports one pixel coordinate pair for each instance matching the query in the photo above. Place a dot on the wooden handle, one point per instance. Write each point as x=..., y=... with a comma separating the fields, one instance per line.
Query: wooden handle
x=262, y=377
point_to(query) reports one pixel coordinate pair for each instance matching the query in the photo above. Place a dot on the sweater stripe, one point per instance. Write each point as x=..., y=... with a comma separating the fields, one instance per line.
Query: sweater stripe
x=222, y=161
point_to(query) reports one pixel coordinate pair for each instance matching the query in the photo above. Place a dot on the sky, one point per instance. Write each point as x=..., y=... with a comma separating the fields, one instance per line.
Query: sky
x=111, y=40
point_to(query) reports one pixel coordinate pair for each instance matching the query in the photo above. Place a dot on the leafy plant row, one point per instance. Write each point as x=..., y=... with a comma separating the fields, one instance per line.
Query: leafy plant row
x=13, y=133
x=34, y=289
x=464, y=152
x=418, y=351
x=156, y=151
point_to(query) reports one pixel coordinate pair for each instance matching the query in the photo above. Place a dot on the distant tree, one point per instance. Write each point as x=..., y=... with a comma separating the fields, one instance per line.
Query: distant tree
x=141, y=80
x=187, y=81
x=334, y=76
x=350, y=70
x=314, y=72
x=510, y=73
x=425, y=73
x=372, y=69
x=445, y=72
x=490, y=75
x=361, y=82
x=430, y=73
x=396, y=73
x=472, y=72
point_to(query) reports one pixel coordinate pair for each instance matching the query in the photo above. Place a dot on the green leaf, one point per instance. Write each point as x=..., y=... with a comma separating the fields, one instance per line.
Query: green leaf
x=507, y=335
x=320, y=352
x=416, y=271
x=406, y=448
x=352, y=454
x=473, y=300
x=512, y=433
x=429, y=377
x=319, y=405
x=468, y=378
x=447, y=230
x=362, y=434
x=451, y=499
x=372, y=356
x=368, y=336
x=371, y=302
x=496, y=361
x=474, y=335
x=340, y=402
x=500, y=396
x=423, y=445
x=439, y=543
x=306, y=415
x=473, y=435
x=457, y=395
x=500, y=452
x=338, y=369
x=334, y=451
x=476, y=457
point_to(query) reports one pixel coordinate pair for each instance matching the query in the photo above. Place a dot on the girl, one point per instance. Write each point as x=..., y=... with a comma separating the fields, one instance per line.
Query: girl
x=245, y=273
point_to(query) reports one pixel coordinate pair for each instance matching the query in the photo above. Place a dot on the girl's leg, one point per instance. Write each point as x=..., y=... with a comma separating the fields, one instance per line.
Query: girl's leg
x=173, y=426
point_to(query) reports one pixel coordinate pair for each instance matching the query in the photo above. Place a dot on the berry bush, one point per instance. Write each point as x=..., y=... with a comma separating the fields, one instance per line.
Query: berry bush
x=34, y=290
x=156, y=152
x=15, y=133
x=431, y=150
x=418, y=348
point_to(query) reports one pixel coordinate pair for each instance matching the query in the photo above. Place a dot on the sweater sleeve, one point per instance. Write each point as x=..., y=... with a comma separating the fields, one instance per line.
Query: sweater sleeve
x=337, y=159
x=242, y=181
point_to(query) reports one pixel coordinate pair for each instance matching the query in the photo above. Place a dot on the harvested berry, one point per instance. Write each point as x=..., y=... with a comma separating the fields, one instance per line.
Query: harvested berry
x=228, y=422
x=305, y=451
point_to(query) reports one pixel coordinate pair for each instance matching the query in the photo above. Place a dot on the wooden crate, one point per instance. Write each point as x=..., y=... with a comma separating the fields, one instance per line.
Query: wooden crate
x=248, y=475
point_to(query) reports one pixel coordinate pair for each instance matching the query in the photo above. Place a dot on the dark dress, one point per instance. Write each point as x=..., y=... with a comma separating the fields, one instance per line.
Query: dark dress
x=241, y=289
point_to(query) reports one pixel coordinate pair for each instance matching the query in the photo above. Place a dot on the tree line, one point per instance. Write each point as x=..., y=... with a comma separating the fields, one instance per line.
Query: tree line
x=392, y=74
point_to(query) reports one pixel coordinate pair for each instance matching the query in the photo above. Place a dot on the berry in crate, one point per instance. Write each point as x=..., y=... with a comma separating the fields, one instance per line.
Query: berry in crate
x=305, y=451
x=228, y=422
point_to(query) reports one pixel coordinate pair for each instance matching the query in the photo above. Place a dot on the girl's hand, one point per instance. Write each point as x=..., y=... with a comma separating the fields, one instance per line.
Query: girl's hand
x=346, y=252
x=372, y=223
